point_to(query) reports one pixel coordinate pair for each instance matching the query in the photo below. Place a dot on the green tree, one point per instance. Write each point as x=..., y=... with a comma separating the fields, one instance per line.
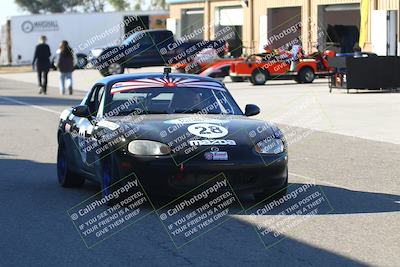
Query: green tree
x=48, y=6
x=32, y=6
x=119, y=5
x=138, y=5
x=159, y=4
x=94, y=5
x=72, y=5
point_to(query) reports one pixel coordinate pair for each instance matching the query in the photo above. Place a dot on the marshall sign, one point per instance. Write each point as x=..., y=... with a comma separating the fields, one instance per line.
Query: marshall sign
x=39, y=26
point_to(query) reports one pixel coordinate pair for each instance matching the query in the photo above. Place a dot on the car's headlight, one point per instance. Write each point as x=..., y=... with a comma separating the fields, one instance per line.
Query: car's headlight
x=270, y=146
x=96, y=52
x=148, y=148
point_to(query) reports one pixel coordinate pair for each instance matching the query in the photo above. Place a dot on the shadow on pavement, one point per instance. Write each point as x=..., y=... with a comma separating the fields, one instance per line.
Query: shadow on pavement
x=343, y=201
x=37, y=208
x=41, y=101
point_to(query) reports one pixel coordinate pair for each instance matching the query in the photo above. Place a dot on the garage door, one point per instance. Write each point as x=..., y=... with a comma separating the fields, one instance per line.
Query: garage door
x=232, y=16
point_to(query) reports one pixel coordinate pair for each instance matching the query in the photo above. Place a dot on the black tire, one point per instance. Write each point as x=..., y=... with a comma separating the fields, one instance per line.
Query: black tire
x=259, y=77
x=106, y=177
x=237, y=79
x=296, y=79
x=109, y=179
x=104, y=72
x=306, y=75
x=115, y=68
x=273, y=194
x=66, y=178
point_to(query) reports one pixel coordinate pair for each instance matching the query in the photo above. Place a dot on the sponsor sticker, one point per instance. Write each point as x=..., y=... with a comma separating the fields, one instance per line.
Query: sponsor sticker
x=216, y=155
x=67, y=127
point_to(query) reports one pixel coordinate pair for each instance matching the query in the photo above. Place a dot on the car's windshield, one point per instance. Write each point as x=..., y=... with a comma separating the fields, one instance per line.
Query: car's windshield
x=170, y=100
x=133, y=38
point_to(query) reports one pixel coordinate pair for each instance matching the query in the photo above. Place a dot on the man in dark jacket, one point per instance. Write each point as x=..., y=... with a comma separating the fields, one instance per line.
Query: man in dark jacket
x=41, y=60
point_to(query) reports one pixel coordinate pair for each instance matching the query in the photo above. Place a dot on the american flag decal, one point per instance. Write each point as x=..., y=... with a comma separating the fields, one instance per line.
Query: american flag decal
x=164, y=82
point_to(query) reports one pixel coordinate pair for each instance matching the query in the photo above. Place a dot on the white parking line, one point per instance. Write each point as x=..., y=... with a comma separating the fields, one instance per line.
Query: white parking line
x=30, y=105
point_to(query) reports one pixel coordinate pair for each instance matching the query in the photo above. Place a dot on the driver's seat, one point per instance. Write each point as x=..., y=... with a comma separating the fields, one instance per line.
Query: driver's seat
x=179, y=102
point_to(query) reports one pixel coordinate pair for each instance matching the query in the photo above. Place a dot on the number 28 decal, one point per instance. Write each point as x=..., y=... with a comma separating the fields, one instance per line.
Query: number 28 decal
x=208, y=130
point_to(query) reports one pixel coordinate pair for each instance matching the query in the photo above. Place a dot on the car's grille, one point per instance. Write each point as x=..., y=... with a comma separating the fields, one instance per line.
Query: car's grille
x=195, y=179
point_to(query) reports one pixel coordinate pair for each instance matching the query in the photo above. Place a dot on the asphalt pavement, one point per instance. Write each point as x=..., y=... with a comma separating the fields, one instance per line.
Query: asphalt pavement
x=359, y=178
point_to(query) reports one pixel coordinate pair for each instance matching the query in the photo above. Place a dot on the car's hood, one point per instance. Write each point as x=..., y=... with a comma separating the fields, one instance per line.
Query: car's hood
x=104, y=48
x=177, y=130
x=96, y=52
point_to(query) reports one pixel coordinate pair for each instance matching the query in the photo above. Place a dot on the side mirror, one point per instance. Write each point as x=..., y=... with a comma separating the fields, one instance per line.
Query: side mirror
x=81, y=111
x=251, y=110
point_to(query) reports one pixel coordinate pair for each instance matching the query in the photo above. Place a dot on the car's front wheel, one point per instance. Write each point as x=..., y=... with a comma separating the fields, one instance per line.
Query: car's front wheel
x=66, y=178
x=306, y=75
x=106, y=178
x=259, y=77
x=115, y=68
x=109, y=179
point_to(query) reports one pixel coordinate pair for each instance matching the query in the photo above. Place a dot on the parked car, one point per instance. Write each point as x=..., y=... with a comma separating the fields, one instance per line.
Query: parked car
x=148, y=48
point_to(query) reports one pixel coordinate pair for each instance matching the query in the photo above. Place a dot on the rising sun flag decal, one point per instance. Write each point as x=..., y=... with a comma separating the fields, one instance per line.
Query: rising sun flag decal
x=167, y=82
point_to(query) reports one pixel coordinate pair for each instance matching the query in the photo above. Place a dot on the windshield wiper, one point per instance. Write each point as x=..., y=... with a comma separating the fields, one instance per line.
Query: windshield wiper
x=187, y=110
x=144, y=112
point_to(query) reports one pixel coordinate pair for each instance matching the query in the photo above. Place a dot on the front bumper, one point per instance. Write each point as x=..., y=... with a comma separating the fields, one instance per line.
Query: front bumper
x=167, y=176
x=235, y=74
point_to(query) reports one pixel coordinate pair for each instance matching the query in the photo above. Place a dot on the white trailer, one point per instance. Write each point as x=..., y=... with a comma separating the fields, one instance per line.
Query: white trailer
x=83, y=31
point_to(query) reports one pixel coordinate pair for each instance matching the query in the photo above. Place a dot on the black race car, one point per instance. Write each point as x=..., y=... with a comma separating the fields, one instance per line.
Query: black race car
x=173, y=132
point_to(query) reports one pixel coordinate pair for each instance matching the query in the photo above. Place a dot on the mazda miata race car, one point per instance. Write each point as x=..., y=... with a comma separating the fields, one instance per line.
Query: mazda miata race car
x=173, y=132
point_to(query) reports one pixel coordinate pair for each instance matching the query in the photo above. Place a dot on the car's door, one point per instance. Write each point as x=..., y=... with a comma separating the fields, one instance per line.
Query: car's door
x=91, y=138
x=83, y=131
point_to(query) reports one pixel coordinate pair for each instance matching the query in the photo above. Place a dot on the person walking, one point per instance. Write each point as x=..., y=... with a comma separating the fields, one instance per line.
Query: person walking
x=65, y=63
x=41, y=62
x=297, y=53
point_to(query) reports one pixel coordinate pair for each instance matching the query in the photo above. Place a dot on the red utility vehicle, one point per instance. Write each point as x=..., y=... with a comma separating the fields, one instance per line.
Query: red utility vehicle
x=261, y=67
